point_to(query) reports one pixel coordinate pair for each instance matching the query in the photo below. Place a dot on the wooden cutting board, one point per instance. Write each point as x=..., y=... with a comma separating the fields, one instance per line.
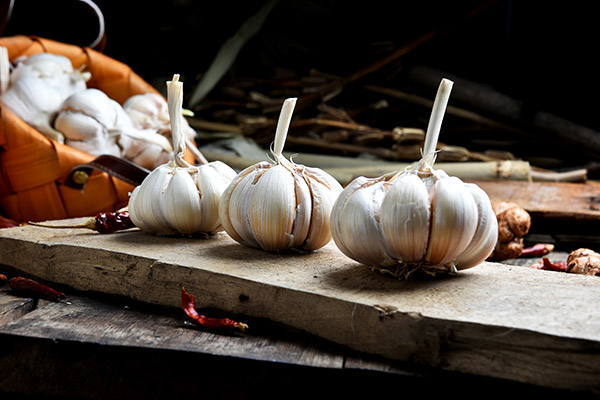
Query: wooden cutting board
x=494, y=320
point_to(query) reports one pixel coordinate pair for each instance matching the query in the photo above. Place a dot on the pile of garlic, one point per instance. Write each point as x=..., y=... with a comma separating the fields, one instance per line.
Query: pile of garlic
x=280, y=205
x=177, y=197
x=45, y=91
x=418, y=219
x=93, y=122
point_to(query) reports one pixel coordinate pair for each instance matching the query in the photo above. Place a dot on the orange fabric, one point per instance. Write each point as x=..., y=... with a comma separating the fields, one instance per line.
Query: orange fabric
x=33, y=168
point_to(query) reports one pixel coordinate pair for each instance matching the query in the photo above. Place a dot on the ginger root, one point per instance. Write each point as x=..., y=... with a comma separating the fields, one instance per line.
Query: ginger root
x=584, y=261
x=513, y=223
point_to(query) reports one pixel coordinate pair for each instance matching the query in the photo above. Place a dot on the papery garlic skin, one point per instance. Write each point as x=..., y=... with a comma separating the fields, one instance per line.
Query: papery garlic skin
x=178, y=198
x=418, y=219
x=280, y=205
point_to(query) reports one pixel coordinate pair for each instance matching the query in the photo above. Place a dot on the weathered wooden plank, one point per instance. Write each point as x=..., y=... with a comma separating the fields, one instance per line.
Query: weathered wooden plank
x=81, y=319
x=494, y=320
x=12, y=308
x=579, y=201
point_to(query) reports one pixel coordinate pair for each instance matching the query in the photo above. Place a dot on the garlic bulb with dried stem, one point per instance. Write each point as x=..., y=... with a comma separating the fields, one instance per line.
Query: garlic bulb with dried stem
x=177, y=197
x=417, y=219
x=280, y=205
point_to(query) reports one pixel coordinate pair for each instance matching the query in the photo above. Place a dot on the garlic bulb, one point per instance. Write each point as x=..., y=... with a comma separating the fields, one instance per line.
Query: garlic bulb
x=151, y=111
x=93, y=122
x=280, y=205
x=38, y=86
x=56, y=69
x=417, y=219
x=177, y=197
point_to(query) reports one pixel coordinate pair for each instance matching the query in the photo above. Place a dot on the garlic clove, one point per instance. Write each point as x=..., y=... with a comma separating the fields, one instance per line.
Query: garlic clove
x=145, y=203
x=271, y=209
x=211, y=180
x=181, y=193
x=486, y=235
x=234, y=204
x=324, y=190
x=354, y=222
x=405, y=216
x=454, y=221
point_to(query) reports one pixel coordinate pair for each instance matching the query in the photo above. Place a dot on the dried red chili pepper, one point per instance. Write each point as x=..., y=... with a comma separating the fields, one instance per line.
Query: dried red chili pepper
x=104, y=222
x=188, y=303
x=30, y=288
x=537, y=250
x=109, y=222
x=546, y=264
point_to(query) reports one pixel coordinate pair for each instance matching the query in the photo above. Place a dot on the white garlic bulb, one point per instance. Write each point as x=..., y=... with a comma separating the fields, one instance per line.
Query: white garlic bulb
x=418, y=219
x=38, y=86
x=56, y=69
x=177, y=197
x=151, y=111
x=280, y=205
x=93, y=122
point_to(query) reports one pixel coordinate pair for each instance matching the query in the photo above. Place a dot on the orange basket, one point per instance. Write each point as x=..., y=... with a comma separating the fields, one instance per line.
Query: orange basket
x=34, y=168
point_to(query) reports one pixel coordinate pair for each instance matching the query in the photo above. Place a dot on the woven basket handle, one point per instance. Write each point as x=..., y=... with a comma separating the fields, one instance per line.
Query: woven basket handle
x=120, y=168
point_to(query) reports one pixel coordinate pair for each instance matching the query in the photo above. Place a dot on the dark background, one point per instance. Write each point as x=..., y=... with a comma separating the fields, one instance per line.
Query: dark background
x=541, y=53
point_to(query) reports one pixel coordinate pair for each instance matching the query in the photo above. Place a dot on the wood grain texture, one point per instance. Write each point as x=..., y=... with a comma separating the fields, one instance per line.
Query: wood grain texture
x=576, y=201
x=495, y=320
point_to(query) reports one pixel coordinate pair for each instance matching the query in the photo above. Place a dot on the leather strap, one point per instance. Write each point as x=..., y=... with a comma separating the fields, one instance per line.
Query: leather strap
x=120, y=168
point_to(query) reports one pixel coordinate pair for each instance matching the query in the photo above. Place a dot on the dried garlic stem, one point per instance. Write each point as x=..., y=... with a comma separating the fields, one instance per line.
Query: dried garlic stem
x=283, y=125
x=435, y=121
x=175, y=106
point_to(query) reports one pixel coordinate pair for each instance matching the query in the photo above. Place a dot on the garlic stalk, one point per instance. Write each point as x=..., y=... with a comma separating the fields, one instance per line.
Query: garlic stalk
x=280, y=205
x=38, y=86
x=417, y=219
x=177, y=197
x=4, y=70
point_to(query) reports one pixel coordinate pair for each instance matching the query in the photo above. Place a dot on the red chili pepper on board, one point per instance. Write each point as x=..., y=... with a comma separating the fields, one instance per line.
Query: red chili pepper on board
x=104, y=222
x=109, y=222
x=188, y=303
x=546, y=264
x=30, y=288
x=537, y=250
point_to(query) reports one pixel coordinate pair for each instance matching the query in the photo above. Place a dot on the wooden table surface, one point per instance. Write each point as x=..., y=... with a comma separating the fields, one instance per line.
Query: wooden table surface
x=99, y=347
x=531, y=336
